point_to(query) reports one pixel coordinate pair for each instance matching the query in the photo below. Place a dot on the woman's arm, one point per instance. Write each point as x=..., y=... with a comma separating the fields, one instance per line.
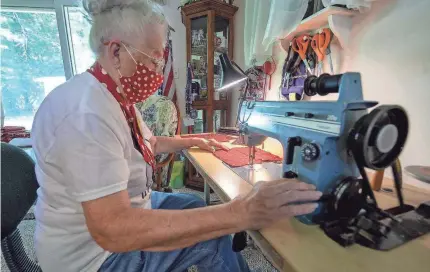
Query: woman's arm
x=118, y=227
x=170, y=145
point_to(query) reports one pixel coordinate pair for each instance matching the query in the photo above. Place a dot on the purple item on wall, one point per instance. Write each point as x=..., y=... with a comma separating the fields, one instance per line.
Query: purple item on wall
x=296, y=83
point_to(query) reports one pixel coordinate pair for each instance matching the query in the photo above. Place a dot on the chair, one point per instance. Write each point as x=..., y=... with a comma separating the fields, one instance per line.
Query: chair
x=18, y=194
x=161, y=116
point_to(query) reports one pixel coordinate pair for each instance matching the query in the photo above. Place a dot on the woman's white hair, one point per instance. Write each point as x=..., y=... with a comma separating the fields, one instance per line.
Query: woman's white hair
x=120, y=19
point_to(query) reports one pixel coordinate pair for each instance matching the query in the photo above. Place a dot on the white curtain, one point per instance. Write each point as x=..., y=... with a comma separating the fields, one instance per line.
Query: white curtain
x=266, y=21
x=361, y=5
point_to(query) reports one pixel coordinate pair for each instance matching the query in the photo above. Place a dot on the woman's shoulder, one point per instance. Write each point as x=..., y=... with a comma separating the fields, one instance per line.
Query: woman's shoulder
x=80, y=95
x=83, y=94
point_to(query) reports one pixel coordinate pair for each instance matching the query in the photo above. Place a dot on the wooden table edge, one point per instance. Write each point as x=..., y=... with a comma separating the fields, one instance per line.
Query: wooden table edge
x=266, y=248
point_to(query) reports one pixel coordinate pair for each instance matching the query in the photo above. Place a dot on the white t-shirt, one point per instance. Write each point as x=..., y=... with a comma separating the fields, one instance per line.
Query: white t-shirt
x=84, y=151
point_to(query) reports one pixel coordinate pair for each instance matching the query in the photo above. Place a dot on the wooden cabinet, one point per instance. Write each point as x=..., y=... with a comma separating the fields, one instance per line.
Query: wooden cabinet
x=210, y=31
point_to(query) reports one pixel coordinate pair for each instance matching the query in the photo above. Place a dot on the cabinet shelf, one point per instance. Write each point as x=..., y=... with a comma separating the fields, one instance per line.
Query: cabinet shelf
x=200, y=51
x=338, y=19
x=217, y=104
x=200, y=74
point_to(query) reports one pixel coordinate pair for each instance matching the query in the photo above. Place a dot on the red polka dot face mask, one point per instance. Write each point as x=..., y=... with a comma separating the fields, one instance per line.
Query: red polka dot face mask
x=142, y=84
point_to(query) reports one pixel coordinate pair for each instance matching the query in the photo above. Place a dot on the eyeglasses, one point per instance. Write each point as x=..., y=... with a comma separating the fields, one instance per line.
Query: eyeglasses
x=159, y=63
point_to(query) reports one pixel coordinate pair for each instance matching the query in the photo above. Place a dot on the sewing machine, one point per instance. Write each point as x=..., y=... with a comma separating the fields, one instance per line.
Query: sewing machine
x=328, y=144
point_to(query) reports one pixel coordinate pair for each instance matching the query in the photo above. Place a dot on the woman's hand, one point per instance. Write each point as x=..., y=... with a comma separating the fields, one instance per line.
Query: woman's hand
x=272, y=201
x=209, y=145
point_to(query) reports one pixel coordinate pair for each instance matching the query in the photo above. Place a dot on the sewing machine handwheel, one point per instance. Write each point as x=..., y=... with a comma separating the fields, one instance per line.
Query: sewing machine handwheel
x=377, y=138
x=322, y=85
x=307, y=86
x=348, y=198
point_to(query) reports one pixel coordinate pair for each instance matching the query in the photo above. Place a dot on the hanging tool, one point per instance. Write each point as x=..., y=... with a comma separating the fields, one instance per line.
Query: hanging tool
x=285, y=73
x=326, y=33
x=287, y=68
x=300, y=45
x=292, y=71
x=315, y=44
x=321, y=45
x=269, y=68
x=295, y=69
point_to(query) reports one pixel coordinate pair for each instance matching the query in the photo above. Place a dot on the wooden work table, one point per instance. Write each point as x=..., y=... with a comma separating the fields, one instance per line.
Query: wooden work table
x=292, y=246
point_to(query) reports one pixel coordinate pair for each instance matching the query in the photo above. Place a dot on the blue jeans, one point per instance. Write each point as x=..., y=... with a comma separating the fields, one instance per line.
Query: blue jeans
x=213, y=255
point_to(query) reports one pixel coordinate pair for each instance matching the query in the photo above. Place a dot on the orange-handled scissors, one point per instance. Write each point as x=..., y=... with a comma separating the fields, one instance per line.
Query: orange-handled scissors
x=320, y=43
x=300, y=45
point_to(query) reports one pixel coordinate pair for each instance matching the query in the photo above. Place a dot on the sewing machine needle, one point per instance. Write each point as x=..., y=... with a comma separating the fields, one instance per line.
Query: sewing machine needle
x=251, y=155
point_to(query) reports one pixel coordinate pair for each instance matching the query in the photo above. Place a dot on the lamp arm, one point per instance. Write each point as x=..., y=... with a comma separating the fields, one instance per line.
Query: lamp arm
x=238, y=67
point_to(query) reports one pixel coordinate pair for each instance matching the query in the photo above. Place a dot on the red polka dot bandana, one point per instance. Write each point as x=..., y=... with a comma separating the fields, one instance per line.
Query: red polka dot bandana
x=127, y=106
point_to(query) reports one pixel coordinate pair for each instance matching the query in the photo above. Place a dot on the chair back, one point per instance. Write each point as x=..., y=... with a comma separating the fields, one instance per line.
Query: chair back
x=18, y=194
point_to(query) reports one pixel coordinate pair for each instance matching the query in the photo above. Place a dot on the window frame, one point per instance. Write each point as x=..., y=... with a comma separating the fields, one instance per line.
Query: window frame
x=62, y=23
x=49, y=4
x=64, y=31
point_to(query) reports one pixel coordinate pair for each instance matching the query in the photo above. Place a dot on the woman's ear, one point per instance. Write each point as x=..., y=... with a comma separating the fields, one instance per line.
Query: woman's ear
x=113, y=51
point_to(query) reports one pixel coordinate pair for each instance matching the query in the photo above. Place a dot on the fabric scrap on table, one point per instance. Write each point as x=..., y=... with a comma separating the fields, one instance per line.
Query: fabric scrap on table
x=210, y=136
x=239, y=156
x=8, y=133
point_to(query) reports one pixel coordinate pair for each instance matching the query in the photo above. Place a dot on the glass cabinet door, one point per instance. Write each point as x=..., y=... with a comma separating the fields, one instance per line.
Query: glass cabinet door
x=220, y=46
x=199, y=64
x=199, y=57
x=220, y=42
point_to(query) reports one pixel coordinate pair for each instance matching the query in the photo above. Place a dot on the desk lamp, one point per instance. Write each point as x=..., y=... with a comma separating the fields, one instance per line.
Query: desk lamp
x=233, y=79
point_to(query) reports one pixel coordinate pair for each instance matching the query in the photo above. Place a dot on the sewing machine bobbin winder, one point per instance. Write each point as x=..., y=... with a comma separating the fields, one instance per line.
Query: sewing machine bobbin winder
x=329, y=144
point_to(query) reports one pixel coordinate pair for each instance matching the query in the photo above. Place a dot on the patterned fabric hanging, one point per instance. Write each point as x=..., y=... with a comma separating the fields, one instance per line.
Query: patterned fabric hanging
x=189, y=111
x=256, y=83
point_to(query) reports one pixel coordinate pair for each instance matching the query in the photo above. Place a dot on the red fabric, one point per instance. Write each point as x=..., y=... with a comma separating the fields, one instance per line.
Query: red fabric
x=209, y=136
x=239, y=156
x=8, y=133
x=127, y=108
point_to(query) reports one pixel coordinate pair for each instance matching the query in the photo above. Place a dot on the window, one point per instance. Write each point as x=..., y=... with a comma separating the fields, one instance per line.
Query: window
x=31, y=62
x=43, y=43
x=79, y=28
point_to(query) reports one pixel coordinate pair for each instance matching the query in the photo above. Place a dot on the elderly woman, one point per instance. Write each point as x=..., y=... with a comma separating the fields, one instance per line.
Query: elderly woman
x=95, y=158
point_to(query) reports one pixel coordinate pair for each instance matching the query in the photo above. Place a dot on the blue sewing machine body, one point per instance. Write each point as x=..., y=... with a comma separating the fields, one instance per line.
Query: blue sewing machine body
x=313, y=134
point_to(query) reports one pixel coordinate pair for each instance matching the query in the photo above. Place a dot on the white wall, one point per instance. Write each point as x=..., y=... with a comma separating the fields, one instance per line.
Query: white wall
x=390, y=47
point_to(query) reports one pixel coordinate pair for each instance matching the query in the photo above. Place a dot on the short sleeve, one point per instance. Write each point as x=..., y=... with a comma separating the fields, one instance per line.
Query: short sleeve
x=88, y=150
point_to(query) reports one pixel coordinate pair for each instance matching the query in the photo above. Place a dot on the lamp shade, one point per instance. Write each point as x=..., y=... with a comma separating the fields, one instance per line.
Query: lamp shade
x=232, y=77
